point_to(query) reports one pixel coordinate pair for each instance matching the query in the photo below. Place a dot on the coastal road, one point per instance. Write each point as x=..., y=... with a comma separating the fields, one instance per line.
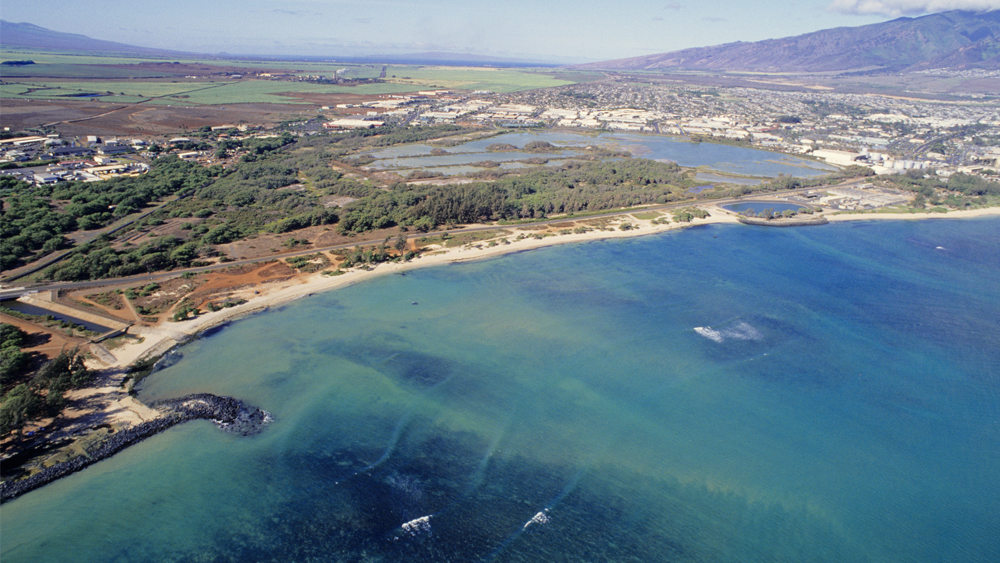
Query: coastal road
x=160, y=276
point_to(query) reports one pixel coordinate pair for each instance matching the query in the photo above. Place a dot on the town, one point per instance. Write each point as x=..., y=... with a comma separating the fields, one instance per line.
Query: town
x=887, y=134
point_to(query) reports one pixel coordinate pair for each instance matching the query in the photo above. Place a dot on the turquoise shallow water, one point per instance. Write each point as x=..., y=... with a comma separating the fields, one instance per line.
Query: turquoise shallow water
x=724, y=393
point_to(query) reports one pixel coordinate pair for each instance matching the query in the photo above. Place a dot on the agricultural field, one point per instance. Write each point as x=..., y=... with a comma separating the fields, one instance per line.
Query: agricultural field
x=49, y=57
x=78, y=71
x=65, y=89
x=190, y=93
x=137, y=80
x=472, y=78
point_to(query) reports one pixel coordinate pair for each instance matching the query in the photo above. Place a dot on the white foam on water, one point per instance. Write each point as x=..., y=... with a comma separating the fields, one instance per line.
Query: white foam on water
x=418, y=526
x=709, y=333
x=743, y=331
x=738, y=331
x=540, y=518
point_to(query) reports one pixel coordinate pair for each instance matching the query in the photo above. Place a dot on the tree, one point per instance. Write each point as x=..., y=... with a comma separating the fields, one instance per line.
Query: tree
x=13, y=361
x=19, y=406
x=10, y=335
x=12, y=364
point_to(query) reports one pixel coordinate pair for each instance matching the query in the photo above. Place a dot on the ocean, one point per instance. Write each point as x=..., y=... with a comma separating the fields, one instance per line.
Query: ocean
x=720, y=393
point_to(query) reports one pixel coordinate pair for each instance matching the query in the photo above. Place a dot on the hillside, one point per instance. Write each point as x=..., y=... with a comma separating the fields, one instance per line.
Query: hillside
x=26, y=35
x=956, y=39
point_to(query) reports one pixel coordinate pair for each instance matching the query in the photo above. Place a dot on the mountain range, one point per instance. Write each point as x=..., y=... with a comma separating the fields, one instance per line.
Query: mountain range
x=26, y=35
x=955, y=39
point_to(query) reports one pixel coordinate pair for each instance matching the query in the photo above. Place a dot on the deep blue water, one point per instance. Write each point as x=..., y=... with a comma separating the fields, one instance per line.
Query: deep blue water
x=722, y=393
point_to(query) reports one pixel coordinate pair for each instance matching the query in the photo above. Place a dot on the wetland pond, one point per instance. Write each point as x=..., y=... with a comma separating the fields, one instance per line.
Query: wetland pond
x=725, y=159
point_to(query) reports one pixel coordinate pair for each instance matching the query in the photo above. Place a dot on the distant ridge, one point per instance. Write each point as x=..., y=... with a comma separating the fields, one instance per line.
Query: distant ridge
x=956, y=39
x=26, y=35
x=452, y=59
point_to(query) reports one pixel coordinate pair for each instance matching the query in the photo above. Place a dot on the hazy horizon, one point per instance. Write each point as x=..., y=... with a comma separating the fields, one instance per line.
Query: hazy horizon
x=558, y=31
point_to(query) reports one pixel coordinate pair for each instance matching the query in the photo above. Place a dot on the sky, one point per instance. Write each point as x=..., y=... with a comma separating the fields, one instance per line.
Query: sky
x=562, y=31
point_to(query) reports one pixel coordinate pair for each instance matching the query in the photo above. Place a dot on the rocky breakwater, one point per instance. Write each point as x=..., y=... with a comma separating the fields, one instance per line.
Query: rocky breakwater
x=229, y=414
x=793, y=222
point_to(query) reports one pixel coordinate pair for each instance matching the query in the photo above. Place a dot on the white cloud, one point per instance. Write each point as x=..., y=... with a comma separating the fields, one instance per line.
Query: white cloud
x=911, y=7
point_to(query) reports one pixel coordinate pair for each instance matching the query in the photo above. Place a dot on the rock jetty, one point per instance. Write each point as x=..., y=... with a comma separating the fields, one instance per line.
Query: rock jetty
x=229, y=414
x=793, y=222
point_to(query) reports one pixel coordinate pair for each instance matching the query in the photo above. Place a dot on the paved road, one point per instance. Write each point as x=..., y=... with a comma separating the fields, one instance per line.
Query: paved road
x=160, y=276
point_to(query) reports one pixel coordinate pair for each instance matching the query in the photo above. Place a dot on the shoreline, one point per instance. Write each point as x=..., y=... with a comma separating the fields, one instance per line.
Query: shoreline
x=229, y=414
x=262, y=297
x=111, y=403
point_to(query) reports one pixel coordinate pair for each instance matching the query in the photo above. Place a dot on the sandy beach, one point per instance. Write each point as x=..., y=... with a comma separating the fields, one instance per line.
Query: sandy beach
x=969, y=214
x=157, y=340
x=108, y=402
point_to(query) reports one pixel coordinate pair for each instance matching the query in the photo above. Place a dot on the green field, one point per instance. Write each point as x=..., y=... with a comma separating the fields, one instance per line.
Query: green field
x=265, y=91
x=48, y=57
x=299, y=67
x=61, y=76
x=61, y=70
x=139, y=90
x=472, y=78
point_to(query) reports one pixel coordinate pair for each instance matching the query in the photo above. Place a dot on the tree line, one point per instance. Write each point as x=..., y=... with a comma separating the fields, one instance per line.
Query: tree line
x=29, y=394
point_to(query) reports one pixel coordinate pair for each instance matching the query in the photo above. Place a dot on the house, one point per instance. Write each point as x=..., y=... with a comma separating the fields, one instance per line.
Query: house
x=60, y=152
x=352, y=124
x=113, y=149
x=45, y=178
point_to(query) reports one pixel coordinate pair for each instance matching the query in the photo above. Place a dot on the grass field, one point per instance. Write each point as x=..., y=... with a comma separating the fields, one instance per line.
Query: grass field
x=268, y=91
x=472, y=78
x=62, y=70
x=47, y=57
x=61, y=76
